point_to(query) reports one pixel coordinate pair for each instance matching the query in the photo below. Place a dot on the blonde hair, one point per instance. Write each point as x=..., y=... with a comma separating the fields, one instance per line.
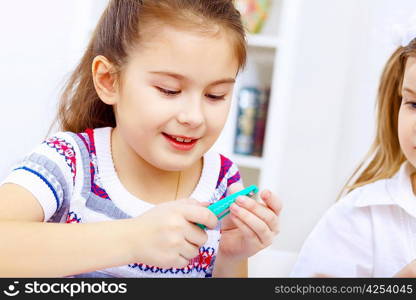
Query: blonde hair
x=385, y=156
x=119, y=30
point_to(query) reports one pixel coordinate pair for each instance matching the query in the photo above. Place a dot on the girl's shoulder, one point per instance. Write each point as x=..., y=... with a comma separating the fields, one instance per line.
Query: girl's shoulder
x=68, y=149
x=63, y=154
x=366, y=195
x=356, y=206
x=77, y=140
x=75, y=143
x=375, y=193
x=72, y=139
x=52, y=171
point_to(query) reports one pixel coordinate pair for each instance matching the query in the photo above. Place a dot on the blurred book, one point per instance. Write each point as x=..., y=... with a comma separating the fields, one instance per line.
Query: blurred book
x=260, y=127
x=253, y=13
x=251, y=121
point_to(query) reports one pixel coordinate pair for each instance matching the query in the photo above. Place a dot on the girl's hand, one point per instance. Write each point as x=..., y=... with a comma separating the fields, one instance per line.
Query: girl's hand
x=251, y=225
x=408, y=271
x=166, y=236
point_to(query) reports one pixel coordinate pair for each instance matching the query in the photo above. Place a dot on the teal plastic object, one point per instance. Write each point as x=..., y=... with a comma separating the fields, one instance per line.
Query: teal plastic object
x=222, y=208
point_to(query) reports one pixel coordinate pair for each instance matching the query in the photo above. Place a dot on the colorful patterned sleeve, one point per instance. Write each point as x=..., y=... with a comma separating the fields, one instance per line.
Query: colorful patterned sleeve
x=48, y=172
x=229, y=174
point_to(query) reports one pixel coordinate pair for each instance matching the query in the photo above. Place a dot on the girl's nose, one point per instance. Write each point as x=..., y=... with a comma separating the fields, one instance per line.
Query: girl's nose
x=191, y=113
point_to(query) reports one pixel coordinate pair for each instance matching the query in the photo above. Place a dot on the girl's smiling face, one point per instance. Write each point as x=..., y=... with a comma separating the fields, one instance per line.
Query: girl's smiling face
x=407, y=113
x=174, y=96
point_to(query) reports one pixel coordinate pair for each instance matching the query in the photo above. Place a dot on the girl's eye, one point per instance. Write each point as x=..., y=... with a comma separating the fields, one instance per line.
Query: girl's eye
x=167, y=92
x=173, y=93
x=215, y=97
x=410, y=103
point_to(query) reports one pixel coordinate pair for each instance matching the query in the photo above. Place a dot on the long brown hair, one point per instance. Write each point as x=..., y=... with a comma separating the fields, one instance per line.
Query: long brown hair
x=385, y=157
x=120, y=29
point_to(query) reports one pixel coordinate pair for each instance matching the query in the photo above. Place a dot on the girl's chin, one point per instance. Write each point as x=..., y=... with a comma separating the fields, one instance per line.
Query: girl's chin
x=185, y=164
x=174, y=164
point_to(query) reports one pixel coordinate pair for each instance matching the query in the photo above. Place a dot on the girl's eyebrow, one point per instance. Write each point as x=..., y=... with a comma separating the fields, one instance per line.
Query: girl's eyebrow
x=183, y=78
x=410, y=91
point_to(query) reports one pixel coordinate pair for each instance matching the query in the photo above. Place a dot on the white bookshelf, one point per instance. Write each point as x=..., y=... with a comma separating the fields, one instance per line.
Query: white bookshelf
x=248, y=161
x=267, y=66
x=271, y=63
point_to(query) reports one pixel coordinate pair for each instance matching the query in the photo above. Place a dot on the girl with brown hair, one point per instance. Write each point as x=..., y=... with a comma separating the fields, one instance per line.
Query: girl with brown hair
x=370, y=231
x=132, y=169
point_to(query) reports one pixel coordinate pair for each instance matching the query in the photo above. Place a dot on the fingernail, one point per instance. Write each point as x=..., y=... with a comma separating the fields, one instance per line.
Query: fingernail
x=267, y=194
x=241, y=200
x=234, y=207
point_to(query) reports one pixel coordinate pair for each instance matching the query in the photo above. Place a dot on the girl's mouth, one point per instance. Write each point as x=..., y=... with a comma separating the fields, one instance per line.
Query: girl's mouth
x=180, y=142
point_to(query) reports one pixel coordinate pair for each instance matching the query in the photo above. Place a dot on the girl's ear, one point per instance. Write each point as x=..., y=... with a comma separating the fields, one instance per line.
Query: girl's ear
x=104, y=80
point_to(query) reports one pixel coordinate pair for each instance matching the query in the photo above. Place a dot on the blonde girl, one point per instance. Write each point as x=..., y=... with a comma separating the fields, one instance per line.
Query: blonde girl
x=371, y=231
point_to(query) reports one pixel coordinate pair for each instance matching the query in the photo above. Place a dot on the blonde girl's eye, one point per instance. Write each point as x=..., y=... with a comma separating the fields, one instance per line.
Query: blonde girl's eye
x=410, y=103
x=167, y=92
x=215, y=97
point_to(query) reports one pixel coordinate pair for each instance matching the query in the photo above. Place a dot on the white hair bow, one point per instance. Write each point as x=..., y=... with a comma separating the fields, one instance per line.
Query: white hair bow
x=403, y=34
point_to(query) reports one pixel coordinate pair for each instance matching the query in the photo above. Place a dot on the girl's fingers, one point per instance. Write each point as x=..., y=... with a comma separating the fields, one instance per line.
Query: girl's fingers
x=189, y=250
x=254, y=223
x=195, y=235
x=234, y=188
x=261, y=211
x=271, y=201
x=199, y=214
x=247, y=232
x=182, y=262
x=267, y=213
x=267, y=196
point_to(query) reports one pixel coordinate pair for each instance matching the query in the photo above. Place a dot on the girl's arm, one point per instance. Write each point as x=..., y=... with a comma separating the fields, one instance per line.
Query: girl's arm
x=34, y=249
x=31, y=248
x=408, y=271
x=227, y=268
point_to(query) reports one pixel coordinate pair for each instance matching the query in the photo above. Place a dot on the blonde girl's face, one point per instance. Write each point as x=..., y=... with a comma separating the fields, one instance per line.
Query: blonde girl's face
x=407, y=113
x=175, y=96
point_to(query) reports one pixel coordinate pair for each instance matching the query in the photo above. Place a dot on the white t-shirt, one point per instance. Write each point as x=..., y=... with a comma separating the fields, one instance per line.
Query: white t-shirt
x=370, y=232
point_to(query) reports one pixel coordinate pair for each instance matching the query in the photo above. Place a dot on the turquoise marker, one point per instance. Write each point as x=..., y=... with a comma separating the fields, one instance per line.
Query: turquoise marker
x=222, y=208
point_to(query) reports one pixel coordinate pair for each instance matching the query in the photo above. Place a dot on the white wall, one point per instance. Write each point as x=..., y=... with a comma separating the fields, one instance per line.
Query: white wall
x=41, y=41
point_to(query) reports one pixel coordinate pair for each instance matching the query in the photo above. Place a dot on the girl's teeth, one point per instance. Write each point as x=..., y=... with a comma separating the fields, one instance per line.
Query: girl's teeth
x=181, y=140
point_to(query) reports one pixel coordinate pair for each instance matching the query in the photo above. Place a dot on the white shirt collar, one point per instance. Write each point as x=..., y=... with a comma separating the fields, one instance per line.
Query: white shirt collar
x=396, y=190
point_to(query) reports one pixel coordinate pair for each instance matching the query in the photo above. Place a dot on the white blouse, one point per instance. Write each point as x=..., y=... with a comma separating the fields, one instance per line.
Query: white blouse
x=370, y=232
